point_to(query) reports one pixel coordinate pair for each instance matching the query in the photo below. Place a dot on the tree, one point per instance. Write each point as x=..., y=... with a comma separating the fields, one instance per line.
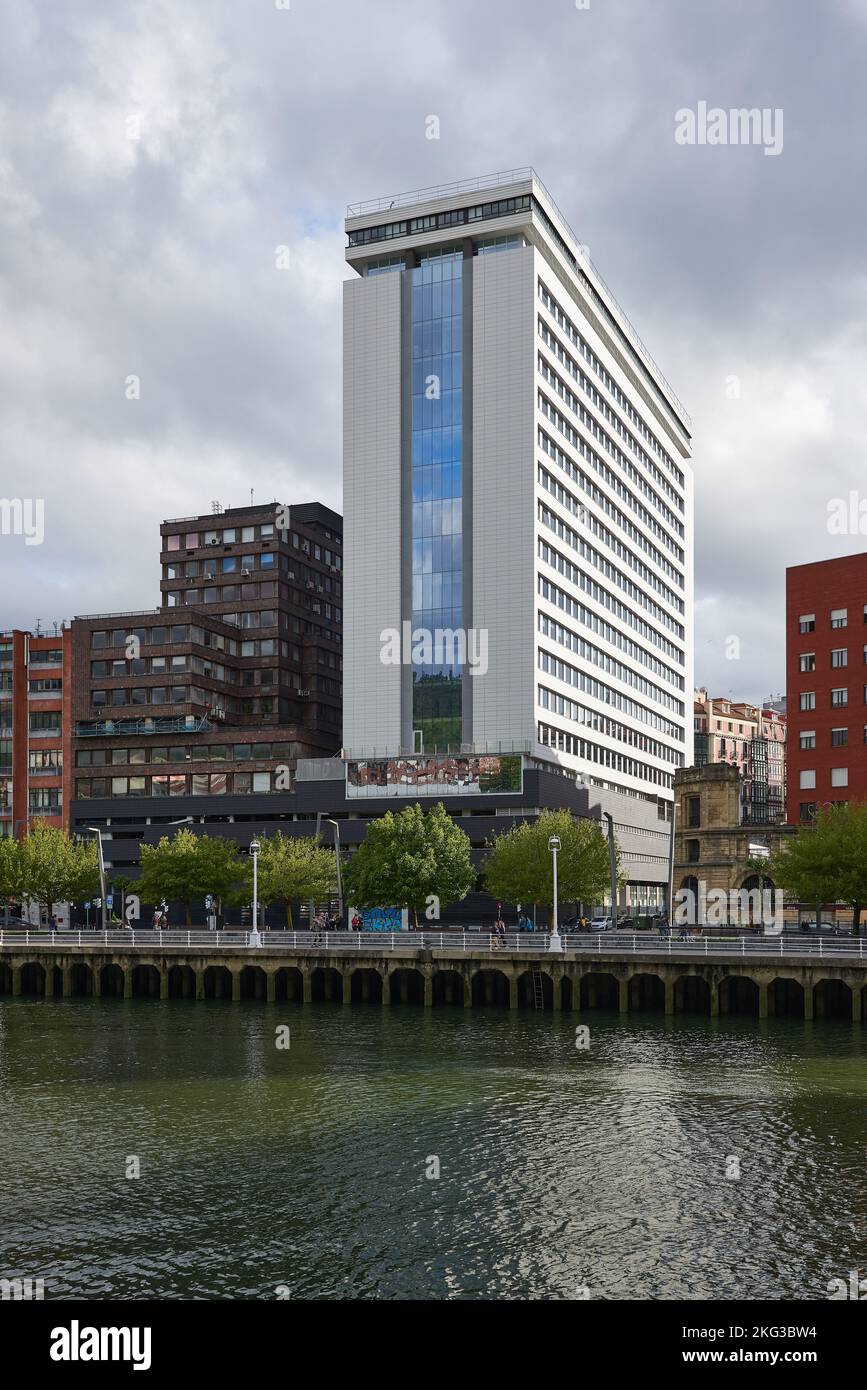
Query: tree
x=827, y=861
x=10, y=874
x=54, y=868
x=409, y=859
x=121, y=885
x=188, y=867
x=520, y=866
x=292, y=868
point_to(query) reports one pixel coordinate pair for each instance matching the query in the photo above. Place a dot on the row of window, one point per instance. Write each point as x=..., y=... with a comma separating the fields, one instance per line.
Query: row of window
x=245, y=565
x=245, y=593
x=388, y=231
x=633, y=355
x=574, y=574
x=613, y=543
x=623, y=733
x=610, y=634
x=180, y=753
x=607, y=757
x=839, y=738
x=565, y=637
x=807, y=778
x=553, y=344
x=226, y=593
x=839, y=659
x=173, y=695
x=578, y=341
x=46, y=760
x=47, y=686
x=554, y=594
x=232, y=535
x=839, y=617
x=839, y=698
x=223, y=564
x=162, y=665
x=613, y=479
x=181, y=784
x=606, y=695
x=47, y=722
x=595, y=493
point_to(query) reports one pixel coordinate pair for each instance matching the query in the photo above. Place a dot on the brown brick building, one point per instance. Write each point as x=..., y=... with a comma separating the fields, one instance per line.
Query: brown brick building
x=216, y=693
x=35, y=728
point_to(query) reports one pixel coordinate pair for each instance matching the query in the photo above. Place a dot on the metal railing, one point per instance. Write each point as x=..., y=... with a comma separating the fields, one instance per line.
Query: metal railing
x=453, y=942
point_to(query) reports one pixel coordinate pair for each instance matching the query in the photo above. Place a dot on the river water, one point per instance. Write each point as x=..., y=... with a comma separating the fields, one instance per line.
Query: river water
x=302, y=1171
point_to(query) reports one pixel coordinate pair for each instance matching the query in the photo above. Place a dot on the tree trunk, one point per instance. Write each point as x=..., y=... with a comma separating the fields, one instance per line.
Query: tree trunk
x=415, y=918
x=189, y=912
x=289, y=926
x=856, y=919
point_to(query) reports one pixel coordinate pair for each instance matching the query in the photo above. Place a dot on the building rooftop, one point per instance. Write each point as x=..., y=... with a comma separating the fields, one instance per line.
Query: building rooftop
x=366, y=212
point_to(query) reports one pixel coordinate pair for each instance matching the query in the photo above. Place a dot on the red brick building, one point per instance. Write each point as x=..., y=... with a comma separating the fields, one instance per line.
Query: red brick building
x=826, y=683
x=35, y=729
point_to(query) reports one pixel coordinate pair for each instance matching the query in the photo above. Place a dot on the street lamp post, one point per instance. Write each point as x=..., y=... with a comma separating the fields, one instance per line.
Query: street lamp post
x=337, y=857
x=98, y=833
x=555, y=943
x=254, y=850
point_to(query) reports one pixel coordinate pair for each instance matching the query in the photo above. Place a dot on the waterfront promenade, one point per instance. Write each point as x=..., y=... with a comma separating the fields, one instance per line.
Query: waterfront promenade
x=762, y=976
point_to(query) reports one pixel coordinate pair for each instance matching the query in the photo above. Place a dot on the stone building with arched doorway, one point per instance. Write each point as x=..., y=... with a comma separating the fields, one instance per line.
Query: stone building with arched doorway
x=712, y=848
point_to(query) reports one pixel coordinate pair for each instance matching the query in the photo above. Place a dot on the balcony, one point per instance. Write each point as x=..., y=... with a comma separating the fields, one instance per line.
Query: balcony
x=189, y=724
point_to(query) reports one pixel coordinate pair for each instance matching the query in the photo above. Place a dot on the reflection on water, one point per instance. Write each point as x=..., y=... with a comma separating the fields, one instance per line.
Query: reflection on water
x=306, y=1167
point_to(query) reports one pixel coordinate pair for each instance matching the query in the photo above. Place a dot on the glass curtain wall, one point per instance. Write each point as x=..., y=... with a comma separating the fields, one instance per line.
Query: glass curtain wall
x=436, y=497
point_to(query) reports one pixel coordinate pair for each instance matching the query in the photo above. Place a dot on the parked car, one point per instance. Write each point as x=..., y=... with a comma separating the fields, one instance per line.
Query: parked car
x=814, y=928
x=601, y=924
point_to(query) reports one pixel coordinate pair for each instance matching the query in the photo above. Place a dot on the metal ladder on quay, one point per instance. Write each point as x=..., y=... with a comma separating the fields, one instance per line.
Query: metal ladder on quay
x=538, y=992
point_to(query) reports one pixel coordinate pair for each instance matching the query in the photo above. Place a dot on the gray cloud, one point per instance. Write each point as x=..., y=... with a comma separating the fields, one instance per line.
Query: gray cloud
x=155, y=256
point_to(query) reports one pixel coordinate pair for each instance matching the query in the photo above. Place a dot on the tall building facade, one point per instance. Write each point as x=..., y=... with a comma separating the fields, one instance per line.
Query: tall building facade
x=751, y=739
x=212, y=698
x=826, y=683
x=519, y=501
x=34, y=728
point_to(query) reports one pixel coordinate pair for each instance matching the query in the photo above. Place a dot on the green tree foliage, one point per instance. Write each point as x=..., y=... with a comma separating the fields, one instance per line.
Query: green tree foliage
x=827, y=861
x=188, y=867
x=520, y=866
x=10, y=874
x=409, y=858
x=121, y=885
x=53, y=868
x=295, y=868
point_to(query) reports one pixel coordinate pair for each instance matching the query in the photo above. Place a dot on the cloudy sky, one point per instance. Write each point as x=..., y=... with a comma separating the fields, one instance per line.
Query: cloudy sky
x=152, y=157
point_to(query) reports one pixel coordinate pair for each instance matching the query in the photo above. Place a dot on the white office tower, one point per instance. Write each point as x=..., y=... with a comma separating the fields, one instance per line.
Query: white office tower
x=518, y=504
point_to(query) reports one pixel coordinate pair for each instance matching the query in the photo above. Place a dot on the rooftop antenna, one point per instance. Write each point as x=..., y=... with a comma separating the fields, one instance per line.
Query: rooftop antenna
x=251, y=497
x=38, y=630
x=216, y=508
